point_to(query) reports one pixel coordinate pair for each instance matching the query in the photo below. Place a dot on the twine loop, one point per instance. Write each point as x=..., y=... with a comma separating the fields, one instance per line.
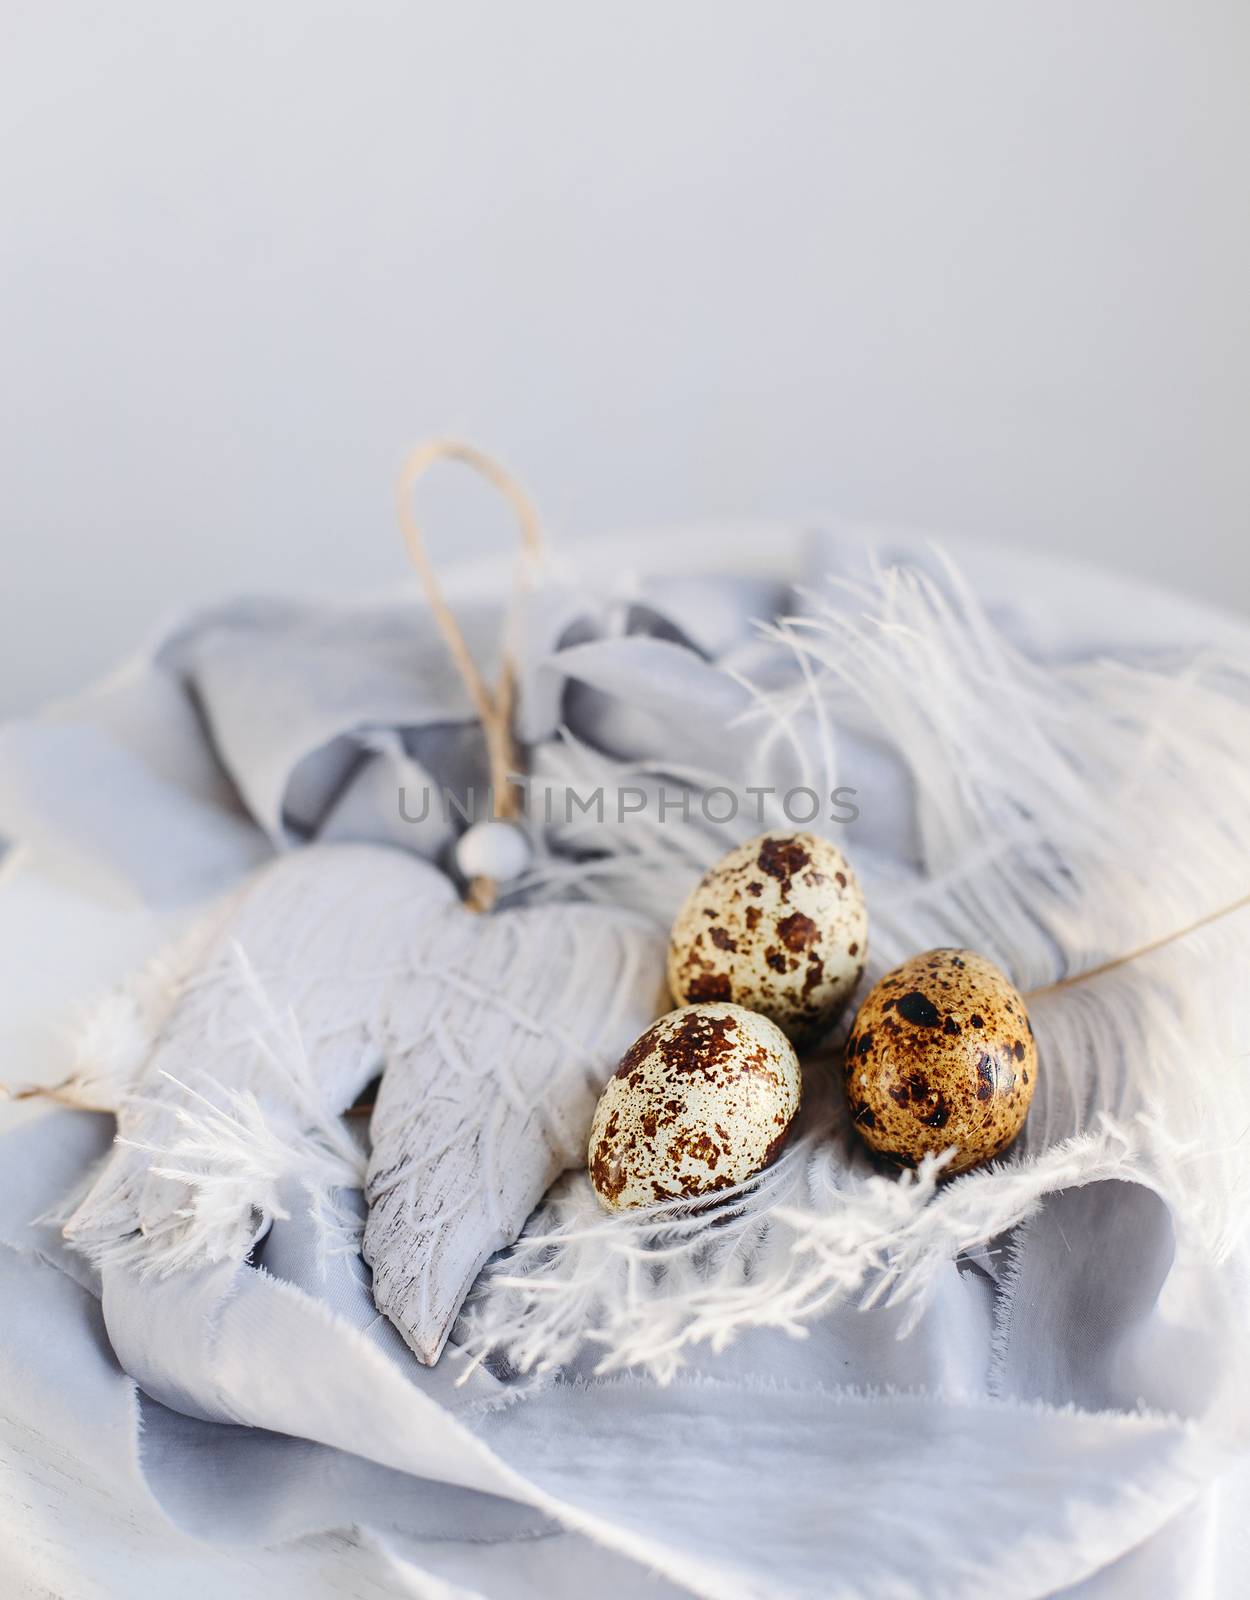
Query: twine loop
x=493, y=704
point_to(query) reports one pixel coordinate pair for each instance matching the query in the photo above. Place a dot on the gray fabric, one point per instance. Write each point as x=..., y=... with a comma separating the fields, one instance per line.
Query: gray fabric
x=1062, y=1420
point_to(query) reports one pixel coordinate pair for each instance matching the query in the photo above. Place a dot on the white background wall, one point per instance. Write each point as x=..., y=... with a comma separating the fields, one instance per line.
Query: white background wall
x=981, y=266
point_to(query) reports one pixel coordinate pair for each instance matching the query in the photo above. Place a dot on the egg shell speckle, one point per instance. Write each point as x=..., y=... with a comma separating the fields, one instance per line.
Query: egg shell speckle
x=702, y=1101
x=941, y=1053
x=779, y=925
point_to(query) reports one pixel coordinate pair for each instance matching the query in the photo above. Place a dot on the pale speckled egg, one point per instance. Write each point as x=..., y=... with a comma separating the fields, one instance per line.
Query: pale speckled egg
x=778, y=925
x=941, y=1053
x=702, y=1101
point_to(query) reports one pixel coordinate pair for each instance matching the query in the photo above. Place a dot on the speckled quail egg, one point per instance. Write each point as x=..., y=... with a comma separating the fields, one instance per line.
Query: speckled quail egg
x=941, y=1053
x=779, y=925
x=702, y=1101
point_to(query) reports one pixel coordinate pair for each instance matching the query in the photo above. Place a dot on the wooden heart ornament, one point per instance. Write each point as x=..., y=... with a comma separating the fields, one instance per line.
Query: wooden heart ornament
x=493, y=1034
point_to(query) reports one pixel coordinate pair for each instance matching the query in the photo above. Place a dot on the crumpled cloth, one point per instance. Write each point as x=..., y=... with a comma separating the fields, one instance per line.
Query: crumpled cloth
x=1055, y=1424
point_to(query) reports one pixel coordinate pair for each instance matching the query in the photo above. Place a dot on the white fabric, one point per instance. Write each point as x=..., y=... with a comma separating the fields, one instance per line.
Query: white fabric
x=1065, y=1418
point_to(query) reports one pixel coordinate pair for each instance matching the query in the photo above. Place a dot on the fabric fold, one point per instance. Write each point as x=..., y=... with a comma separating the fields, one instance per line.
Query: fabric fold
x=1060, y=1409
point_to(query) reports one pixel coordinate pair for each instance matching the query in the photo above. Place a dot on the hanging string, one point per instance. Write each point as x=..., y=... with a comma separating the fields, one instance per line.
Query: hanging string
x=493, y=705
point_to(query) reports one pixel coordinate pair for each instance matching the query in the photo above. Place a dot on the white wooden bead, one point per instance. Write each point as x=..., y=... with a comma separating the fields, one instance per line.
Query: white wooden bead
x=496, y=850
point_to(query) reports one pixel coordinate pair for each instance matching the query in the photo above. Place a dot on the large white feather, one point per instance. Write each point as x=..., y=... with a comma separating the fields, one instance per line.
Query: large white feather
x=1062, y=816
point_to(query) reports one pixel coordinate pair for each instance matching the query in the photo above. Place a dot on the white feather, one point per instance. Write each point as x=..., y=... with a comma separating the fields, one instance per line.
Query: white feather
x=238, y=1150
x=109, y=1045
x=1065, y=816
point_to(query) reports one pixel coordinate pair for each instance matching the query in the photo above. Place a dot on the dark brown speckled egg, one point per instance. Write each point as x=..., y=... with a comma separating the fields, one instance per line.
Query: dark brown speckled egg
x=941, y=1053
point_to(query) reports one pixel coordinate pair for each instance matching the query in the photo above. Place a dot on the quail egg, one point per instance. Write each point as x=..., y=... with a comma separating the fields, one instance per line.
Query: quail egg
x=779, y=925
x=941, y=1053
x=702, y=1101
